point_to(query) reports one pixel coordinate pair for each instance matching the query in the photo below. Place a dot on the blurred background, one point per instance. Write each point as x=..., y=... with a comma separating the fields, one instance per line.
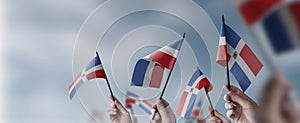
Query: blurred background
x=39, y=39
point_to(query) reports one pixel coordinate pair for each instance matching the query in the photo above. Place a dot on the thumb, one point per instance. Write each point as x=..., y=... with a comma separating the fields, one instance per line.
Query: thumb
x=161, y=108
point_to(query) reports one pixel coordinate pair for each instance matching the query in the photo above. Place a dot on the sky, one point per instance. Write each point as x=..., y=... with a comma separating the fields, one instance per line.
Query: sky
x=43, y=50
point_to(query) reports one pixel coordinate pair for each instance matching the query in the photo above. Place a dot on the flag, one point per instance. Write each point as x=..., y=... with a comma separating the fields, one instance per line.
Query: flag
x=134, y=99
x=275, y=23
x=131, y=99
x=196, y=114
x=167, y=55
x=189, y=96
x=146, y=106
x=242, y=62
x=93, y=70
x=147, y=74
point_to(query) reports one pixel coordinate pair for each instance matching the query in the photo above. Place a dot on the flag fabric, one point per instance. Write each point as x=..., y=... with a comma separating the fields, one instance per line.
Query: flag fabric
x=93, y=70
x=146, y=106
x=134, y=99
x=147, y=74
x=167, y=55
x=275, y=23
x=196, y=114
x=189, y=96
x=131, y=99
x=242, y=62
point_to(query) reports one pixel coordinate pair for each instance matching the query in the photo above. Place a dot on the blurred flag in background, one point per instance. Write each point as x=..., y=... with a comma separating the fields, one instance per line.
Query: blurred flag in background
x=274, y=23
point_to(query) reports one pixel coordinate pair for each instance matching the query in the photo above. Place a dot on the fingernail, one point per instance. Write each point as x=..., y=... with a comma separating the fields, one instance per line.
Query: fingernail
x=219, y=121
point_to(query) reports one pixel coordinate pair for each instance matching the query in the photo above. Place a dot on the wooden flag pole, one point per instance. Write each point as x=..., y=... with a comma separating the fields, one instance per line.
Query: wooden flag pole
x=209, y=100
x=227, y=66
x=165, y=86
x=107, y=83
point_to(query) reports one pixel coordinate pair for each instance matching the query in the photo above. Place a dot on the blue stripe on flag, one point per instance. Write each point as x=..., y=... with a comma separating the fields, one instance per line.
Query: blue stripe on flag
x=222, y=33
x=96, y=61
x=240, y=76
x=232, y=38
x=77, y=86
x=277, y=33
x=145, y=109
x=176, y=45
x=190, y=106
x=131, y=94
x=196, y=74
x=139, y=72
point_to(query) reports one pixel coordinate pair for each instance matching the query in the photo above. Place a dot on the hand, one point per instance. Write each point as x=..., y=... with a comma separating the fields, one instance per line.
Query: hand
x=277, y=102
x=240, y=107
x=216, y=117
x=117, y=113
x=164, y=114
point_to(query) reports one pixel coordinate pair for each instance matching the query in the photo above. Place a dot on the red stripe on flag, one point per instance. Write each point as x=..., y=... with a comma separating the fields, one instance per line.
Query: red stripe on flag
x=204, y=83
x=96, y=74
x=181, y=103
x=253, y=10
x=251, y=60
x=77, y=77
x=157, y=75
x=294, y=9
x=147, y=103
x=164, y=59
x=129, y=102
x=222, y=55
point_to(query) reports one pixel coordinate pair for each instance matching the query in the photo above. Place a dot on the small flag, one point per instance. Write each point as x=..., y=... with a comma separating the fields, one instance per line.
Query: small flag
x=147, y=74
x=146, y=106
x=93, y=70
x=189, y=95
x=131, y=99
x=243, y=63
x=196, y=114
x=134, y=99
x=166, y=56
x=275, y=23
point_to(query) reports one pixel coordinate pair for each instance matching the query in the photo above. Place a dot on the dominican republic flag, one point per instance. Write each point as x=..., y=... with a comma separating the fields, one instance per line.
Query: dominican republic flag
x=147, y=74
x=196, y=114
x=243, y=63
x=166, y=56
x=275, y=23
x=131, y=99
x=134, y=99
x=93, y=70
x=189, y=95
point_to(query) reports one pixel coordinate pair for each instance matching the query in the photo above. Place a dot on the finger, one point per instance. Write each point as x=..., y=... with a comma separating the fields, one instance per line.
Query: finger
x=161, y=108
x=120, y=106
x=112, y=98
x=210, y=110
x=230, y=114
x=160, y=104
x=165, y=102
x=111, y=109
x=227, y=98
x=229, y=106
x=242, y=100
x=112, y=113
x=220, y=116
x=214, y=119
